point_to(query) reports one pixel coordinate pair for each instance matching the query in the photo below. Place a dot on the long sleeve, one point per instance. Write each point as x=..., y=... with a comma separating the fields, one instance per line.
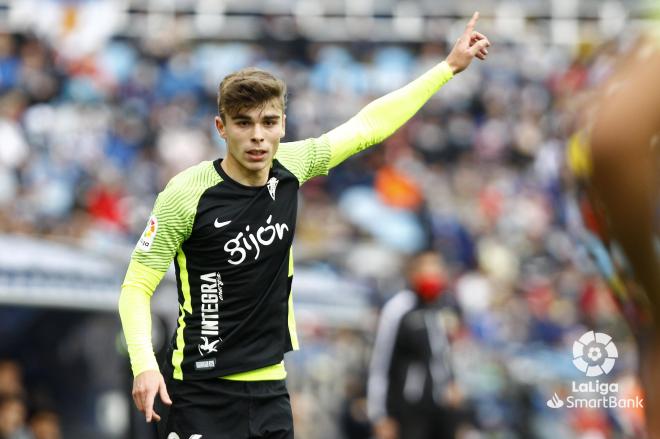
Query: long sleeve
x=135, y=312
x=383, y=116
x=167, y=228
x=389, y=324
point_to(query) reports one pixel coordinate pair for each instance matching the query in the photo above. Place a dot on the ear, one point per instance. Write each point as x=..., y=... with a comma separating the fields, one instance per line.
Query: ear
x=283, y=125
x=220, y=126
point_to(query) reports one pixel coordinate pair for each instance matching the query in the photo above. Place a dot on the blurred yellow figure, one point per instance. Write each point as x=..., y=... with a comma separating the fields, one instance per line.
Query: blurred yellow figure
x=621, y=165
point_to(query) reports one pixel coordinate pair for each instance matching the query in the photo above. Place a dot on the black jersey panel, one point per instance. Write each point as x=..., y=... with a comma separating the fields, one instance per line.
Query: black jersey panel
x=237, y=266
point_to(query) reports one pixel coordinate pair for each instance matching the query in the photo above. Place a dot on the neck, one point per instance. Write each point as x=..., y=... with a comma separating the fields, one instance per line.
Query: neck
x=242, y=175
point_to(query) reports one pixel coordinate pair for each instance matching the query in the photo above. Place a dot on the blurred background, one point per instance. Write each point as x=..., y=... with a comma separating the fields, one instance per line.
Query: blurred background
x=102, y=102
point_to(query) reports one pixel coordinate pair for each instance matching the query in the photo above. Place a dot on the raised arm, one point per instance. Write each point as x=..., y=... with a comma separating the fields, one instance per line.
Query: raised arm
x=380, y=118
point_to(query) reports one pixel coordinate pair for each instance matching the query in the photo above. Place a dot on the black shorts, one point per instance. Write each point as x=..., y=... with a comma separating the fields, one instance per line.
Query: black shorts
x=223, y=409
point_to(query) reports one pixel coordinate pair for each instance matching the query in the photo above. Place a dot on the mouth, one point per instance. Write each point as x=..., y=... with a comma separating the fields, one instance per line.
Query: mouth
x=256, y=154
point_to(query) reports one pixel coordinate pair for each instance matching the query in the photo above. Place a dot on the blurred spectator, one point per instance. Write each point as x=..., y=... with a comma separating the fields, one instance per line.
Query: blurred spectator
x=353, y=418
x=11, y=380
x=45, y=425
x=12, y=418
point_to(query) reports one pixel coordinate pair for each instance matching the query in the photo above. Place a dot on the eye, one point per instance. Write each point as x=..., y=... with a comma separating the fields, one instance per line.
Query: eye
x=242, y=123
x=269, y=123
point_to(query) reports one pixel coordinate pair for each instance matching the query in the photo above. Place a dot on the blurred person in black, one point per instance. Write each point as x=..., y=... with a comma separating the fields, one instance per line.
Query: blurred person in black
x=411, y=391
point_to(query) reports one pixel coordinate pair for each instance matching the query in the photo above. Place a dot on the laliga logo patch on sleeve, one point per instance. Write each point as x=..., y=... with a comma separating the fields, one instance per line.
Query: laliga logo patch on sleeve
x=147, y=238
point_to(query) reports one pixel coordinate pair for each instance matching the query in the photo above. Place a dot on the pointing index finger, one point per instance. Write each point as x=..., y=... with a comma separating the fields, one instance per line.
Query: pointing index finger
x=471, y=24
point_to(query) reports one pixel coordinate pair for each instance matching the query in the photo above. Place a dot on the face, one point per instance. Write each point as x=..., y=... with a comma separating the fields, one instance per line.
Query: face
x=45, y=426
x=252, y=137
x=12, y=415
x=427, y=276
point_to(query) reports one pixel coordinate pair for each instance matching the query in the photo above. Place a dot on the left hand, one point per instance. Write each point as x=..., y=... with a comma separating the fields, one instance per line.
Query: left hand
x=146, y=386
x=470, y=45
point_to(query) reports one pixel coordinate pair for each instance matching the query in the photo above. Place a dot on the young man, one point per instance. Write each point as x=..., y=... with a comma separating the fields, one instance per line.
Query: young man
x=228, y=225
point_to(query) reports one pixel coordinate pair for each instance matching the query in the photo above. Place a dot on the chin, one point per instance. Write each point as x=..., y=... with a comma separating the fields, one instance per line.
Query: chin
x=257, y=166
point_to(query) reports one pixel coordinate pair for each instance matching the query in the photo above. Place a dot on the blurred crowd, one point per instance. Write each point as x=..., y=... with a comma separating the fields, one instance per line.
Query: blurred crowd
x=87, y=142
x=21, y=416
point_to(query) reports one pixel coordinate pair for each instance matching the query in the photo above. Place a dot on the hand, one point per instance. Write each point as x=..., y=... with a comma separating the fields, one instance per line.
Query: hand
x=452, y=395
x=145, y=387
x=386, y=428
x=471, y=44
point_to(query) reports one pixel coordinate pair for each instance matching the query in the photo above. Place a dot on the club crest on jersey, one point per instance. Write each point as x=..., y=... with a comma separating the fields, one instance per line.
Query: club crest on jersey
x=272, y=185
x=149, y=234
x=208, y=346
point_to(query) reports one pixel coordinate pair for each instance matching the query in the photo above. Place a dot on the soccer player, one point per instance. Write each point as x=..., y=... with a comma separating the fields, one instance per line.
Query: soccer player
x=228, y=225
x=621, y=164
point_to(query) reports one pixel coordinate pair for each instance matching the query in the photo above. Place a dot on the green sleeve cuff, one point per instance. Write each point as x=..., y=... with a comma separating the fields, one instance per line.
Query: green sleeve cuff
x=141, y=277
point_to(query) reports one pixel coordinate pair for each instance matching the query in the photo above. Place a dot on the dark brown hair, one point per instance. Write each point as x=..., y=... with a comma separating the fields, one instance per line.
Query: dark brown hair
x=247, y=89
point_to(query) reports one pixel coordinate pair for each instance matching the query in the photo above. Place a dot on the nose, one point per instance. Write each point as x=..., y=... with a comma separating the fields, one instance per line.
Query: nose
x=258, y=133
